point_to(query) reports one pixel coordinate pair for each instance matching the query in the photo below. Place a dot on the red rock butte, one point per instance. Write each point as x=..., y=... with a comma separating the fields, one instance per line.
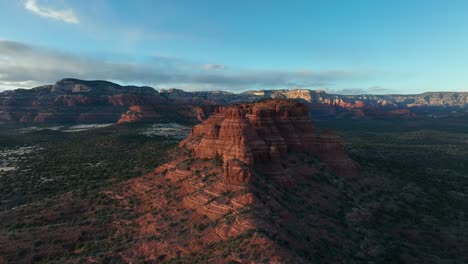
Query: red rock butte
x=249, y=136
x=137, y=113
x=255, y=173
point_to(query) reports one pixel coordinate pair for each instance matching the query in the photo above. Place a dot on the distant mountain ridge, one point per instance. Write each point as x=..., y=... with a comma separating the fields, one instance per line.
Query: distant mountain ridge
x=81, y=101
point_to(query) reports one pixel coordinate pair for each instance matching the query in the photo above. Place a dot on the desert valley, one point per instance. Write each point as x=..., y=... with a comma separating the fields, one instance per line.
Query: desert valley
x=294, y=176
x=233, y=132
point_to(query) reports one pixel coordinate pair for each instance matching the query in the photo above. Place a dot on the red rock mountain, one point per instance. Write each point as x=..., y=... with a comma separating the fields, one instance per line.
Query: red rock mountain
x=264, y=132
x=79, y=101
x=242, y=188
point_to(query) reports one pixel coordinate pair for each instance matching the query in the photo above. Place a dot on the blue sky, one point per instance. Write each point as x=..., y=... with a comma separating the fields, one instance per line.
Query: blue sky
x=341, y=46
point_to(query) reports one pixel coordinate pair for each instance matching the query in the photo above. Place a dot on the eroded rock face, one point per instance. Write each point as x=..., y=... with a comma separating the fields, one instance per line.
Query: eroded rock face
x=200, y=113
x=5, y=116
x=257, y=174
x=164, y=113
x=248, y=167
x=72, y=100
x=328, y=147
x=248, y=135
x=133, y=99
x=138, y=113
x=238, y=171
x=400, y=113
x=26, y=118
x=43, y=117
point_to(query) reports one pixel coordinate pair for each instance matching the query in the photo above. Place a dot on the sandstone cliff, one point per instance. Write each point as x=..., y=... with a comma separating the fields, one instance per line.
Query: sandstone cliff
x=251, y=173
x=138, y=113
x=259, y=133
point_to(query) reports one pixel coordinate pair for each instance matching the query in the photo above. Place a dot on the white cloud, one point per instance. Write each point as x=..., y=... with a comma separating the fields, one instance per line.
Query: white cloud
x=65, y=15
x=215, y=67
x=359, y=91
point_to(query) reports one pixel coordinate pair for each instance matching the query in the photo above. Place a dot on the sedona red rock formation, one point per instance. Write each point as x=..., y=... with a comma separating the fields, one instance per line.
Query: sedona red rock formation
x=72, y=98
x=400, y=113
x=328, y=147
x=138, y=113
x=77, y=101
x=5, y=116
x=263, y=132
x=167, y=113
x=235, y=175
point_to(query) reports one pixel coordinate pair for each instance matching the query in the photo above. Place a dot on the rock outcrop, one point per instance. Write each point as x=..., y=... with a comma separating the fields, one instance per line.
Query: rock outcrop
x=5, y=116
x=138, y=113
x=250, y=134
x=253, y=173
x=328, y=147
x=400, y=113
x=164, y=113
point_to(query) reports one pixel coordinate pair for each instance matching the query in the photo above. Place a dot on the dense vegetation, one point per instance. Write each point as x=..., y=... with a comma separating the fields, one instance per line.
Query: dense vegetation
x=79, y=161
x=422, y=210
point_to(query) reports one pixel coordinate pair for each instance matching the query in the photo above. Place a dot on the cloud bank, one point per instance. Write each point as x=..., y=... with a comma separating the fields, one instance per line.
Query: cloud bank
x=23, y=65
x=215, y=67
x=65, y=15
x=354, y=91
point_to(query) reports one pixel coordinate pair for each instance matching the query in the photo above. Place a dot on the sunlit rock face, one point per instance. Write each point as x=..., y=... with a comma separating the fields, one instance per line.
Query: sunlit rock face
x=138, y=113
x=248, y=135
x=248, y=168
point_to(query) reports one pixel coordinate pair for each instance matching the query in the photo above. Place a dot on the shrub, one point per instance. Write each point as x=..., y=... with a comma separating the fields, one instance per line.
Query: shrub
x=217, y=161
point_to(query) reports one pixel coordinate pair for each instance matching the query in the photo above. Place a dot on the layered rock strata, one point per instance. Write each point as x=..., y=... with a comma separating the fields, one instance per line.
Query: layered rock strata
x=253, y=173
x=251, y=135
